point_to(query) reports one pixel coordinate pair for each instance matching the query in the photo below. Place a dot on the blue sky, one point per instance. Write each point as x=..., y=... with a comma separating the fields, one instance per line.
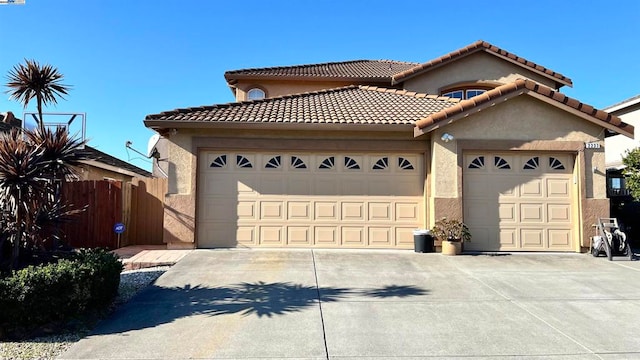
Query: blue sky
x=127, y=59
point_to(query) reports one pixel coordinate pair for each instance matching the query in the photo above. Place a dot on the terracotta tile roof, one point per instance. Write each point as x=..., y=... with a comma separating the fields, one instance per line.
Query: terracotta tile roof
x=380, y=70
x=345, y=105
x=475, y=47
x=451, y=113
x=92, y=153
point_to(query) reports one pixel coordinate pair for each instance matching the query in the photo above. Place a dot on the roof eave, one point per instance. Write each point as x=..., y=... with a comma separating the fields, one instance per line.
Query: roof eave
x=162, y=125
x=626, y=130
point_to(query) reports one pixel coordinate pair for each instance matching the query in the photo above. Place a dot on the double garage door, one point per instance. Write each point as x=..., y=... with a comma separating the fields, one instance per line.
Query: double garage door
x=519, y=201
x=289, y=199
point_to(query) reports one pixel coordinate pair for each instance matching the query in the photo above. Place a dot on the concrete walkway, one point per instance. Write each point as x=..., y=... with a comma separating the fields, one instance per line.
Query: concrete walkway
x=323, y=304
x=144, y=256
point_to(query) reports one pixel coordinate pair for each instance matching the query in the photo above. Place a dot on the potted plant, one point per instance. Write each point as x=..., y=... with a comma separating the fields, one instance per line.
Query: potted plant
x=451, y=233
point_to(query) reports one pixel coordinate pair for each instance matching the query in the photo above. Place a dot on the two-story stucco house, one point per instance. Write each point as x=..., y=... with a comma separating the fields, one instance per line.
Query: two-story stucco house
x=357, y=154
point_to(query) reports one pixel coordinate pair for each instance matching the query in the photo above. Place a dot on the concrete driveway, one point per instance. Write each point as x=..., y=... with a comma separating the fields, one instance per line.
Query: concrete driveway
x=325, y=304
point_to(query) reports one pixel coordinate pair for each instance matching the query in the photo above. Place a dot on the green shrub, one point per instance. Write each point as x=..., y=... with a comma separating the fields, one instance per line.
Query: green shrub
x=57, y=292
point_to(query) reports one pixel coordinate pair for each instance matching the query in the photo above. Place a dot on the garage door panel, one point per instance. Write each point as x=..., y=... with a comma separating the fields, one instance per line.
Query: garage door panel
x=480, y=239
x=326, y=236
x=405, y=186
x=404, y=237
x=299, y=235
x=476, y=186
x=309, y=200
x=559, y=213
x=271, y=235
x=222, y=185
x=559, y=238
x=558, y=188
x=531, y=212
x=218, y=234
x=380, y=236
x=299, y=185
x=532, y=238
x=407, y=212
x=379, y=211
x=353, y=236
x=532, y=189
x=246, y=187
x=271, y=184
x=508, y=238
x=352, y=211
x=326, y=210
x=271, y=210
x=325, y=185
x=246, y=235
x=246, y=210
x=480, y=212
x=507, y=213
x=299, y=210
x=353, y=187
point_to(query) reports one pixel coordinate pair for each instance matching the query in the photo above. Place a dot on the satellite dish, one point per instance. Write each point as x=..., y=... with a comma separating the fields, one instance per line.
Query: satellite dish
x=151, y=146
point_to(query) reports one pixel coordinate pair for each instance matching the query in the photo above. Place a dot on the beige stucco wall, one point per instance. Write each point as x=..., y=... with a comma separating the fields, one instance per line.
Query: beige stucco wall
x=523, y=118
x=522, y=123
x=279, y=88
x=183, y=146
x=479, y=66
x=616, y=146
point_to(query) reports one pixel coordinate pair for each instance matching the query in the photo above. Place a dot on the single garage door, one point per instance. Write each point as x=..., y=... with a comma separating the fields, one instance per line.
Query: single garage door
x=518, y=202
x=293, y=199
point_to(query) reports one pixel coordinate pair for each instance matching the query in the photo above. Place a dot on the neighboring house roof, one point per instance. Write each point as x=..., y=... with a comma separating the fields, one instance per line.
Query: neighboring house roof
x=476, y=47
x=345, y=105
x=489, y=98
x=624, y=104
x=112, y=163
x=355, y=70
x=9, y=121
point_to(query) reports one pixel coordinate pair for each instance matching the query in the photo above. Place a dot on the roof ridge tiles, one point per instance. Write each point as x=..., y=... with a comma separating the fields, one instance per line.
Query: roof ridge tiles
x=389, y=61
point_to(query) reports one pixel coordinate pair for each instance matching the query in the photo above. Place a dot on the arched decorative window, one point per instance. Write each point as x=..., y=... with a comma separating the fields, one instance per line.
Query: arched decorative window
x=255, y=94
x=405, y=164
x=477, y=163
x=555, y=164
x=381, y=164
x=273, y=163
x=350, y=163
x=327, y=163
x=220, y=161
x=501, y=163
x=243, y=162
x=464, y=93
x=297, y=163
x=532, y=164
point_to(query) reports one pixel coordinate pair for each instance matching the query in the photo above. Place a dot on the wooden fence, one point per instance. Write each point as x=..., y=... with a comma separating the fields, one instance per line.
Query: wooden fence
x=138, y=204
x=144, y=211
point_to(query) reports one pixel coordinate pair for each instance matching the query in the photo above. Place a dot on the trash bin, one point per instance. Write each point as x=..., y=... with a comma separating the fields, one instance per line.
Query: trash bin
x=422, y=241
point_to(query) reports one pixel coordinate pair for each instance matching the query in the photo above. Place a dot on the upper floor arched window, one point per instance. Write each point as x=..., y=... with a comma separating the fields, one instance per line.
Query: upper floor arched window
x=464, y=93
x=255, y=94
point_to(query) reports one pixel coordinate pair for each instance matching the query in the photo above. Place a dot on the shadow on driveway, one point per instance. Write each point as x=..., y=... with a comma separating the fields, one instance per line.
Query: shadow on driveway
x=160, y=305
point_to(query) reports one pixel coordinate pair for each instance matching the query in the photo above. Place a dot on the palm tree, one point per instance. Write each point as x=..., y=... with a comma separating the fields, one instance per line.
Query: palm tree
x=31, y=80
